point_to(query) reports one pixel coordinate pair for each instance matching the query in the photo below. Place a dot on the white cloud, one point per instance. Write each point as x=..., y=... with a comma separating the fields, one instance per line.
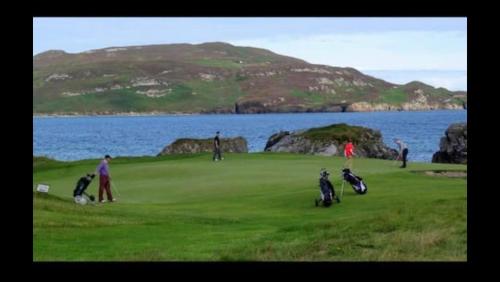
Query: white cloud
x=437, y=50
x=451, y=83
x=451, y=80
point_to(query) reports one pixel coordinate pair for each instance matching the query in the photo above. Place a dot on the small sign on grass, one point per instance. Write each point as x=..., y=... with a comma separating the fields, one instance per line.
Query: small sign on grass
x=43, y=188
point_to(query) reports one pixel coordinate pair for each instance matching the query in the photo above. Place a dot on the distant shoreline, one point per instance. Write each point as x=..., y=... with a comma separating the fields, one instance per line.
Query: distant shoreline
x=195, y=114
x=114, y=114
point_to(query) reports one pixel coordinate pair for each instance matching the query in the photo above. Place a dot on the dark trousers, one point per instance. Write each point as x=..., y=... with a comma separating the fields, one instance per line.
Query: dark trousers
x=104, y=184
x=405, y=153
x=217, y=154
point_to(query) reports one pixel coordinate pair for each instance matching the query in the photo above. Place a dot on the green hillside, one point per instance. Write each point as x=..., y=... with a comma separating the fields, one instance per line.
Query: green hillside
x=209, y=77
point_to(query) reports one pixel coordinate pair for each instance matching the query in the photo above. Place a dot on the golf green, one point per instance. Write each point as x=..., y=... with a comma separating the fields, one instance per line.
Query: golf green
x=250, y=207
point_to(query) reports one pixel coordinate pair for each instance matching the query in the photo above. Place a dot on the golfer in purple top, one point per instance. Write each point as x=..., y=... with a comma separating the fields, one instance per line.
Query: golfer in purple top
x=104, y=179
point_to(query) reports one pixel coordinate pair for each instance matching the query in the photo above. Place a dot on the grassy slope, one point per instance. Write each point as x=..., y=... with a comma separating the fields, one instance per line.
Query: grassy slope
x=191, y=96
x=250, y=207
x=89, y=73
x=219, y=63
x=311, y=98
x=393, y=96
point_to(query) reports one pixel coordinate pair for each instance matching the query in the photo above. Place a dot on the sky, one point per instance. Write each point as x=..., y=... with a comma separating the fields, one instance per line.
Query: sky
x=399, y=50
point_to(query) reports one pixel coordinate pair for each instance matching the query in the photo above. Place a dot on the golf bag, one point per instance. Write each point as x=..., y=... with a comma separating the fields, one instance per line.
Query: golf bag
x=81, y=197
x=327, y=191
x=356, y=182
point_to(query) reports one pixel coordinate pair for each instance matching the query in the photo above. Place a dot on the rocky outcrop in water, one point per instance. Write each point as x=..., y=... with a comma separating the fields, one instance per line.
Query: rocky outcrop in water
x=191, y=146
x=453, y=146
x=330, y=141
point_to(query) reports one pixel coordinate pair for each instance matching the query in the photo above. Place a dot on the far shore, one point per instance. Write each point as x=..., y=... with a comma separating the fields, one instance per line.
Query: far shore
x=133, y=114
x=115, y=114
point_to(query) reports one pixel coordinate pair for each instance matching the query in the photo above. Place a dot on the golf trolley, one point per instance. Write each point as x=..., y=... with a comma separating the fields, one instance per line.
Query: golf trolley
x=357, y=183
x=79, y=194
x=327, y=192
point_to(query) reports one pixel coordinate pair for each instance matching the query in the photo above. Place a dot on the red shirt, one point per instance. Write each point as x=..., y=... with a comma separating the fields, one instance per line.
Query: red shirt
x=348, y=149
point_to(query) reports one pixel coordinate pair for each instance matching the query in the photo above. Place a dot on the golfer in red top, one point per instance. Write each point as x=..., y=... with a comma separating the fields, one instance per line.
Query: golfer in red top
x=349, y=153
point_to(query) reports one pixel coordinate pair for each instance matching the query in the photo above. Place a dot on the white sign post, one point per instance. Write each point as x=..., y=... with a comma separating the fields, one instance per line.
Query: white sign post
x=42, y=188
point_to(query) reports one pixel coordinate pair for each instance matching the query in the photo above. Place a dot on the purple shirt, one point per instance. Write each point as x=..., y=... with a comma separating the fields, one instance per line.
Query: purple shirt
x=103, y=168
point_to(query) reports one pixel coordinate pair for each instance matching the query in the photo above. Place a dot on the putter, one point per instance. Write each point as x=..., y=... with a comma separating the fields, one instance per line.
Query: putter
x=342, y=191
x=395, y=161
x=113, y=186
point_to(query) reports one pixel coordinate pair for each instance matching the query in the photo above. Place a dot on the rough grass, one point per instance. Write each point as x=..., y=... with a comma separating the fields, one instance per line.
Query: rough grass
x=250, y=207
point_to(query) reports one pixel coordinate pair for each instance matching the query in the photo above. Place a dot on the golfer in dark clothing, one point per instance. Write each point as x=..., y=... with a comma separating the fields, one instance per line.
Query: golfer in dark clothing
x=403, y=151
x=217, y=154
x=104, y=180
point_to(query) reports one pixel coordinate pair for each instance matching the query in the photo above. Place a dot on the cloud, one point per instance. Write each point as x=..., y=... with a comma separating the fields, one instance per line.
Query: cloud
x=438, y=50
x=450, y=83
x=451, y=80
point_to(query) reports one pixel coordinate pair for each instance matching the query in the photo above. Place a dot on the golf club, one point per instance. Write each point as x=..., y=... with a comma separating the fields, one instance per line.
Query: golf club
x=113, y=186
x=395, y=160
x=342, y=191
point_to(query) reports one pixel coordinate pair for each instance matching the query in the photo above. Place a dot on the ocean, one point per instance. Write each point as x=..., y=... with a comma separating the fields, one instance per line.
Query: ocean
x=83, y=137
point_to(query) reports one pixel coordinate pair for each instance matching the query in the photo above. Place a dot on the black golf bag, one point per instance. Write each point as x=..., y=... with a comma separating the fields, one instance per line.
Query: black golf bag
x=356, y=182
x=82, y=185
x=327, y=191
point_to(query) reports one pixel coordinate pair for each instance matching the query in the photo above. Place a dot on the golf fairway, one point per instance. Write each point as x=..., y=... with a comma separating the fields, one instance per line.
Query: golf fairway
x=250, y=207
